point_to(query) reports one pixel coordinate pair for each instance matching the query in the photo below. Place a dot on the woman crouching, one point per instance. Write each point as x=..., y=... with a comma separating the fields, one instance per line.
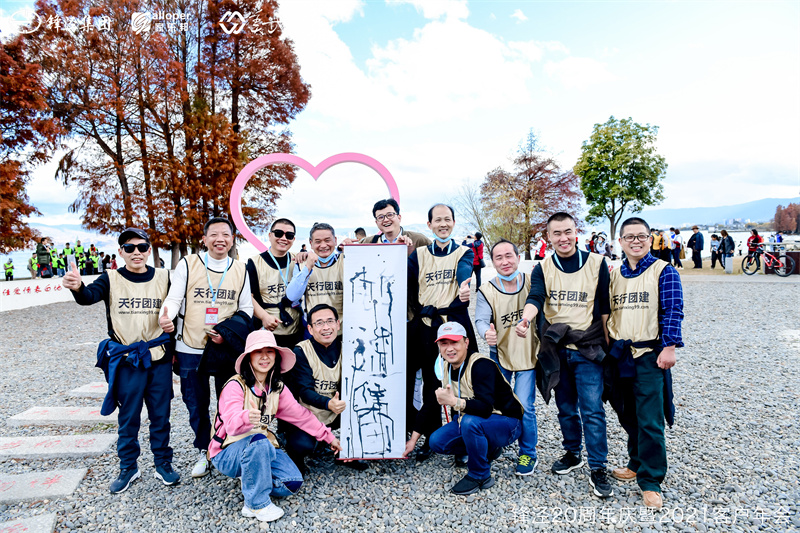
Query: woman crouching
x=242, y=445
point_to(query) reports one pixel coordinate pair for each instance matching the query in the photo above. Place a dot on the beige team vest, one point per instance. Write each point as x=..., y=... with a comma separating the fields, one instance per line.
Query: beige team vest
x=437, y=278
x=326, y=286
x=327, y=381
x=514, y=352
x=466, y=391
x=199, y=297
x=133, y=308
x=272, y=290
x=569, y=298
x=635, y=306
x=251, y=401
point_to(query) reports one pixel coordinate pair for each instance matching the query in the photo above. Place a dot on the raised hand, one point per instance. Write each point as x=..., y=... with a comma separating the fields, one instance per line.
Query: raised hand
x=72, y=279
x=491, y=336
x=166, y=324
x=464, y=290
x=336, y=405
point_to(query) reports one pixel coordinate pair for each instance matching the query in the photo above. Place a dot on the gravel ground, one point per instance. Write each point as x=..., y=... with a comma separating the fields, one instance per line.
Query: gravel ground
x=733, y=452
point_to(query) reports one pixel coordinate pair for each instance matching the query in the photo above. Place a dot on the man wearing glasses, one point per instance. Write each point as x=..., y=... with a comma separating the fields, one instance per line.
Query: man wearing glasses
x=321, y=277
x=387, y=219
x=571, y=290
x=316, y=380
x=276, y=301
x=208, y=288
x=645, y=328
x=136, y=374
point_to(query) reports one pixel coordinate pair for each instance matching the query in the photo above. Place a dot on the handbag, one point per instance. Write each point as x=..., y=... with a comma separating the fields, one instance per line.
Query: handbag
x=683, y=253
x=482, y=263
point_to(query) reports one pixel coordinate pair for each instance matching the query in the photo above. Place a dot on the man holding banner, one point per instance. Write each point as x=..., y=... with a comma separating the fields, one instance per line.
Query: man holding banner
x=316, y=381
x=438, y=292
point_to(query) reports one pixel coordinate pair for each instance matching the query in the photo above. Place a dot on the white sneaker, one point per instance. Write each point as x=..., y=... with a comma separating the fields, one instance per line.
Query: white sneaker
x=201, y=467
x=270, y=513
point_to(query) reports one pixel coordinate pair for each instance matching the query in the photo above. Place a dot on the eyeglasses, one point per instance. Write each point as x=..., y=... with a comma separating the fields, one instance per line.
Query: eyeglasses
x=279, y=233
x=387, y=216
x=641, y=237
x=321, y=323
x=129, y=248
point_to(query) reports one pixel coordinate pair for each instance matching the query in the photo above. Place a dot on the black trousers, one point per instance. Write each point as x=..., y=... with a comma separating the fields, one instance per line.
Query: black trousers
x=698, y=261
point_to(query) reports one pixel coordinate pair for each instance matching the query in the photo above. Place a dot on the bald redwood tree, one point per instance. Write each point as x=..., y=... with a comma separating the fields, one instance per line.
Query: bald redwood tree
x=29, y=136
x=163, y=120
x=519, y=201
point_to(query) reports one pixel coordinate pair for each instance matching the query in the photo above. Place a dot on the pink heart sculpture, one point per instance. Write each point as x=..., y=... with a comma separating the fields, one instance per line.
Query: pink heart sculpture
x=315, y=171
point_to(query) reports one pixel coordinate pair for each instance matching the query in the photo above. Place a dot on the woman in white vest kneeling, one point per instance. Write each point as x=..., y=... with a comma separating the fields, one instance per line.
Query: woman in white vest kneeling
x=243, y=445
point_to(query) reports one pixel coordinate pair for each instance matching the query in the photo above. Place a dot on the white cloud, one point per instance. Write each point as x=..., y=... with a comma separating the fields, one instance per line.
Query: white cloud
x=578, y=72
x=519, y=15
x=435, y=9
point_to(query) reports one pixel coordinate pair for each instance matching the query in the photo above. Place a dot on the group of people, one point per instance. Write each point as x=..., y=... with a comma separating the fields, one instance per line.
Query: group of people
x=48, y=261
x=269, y=332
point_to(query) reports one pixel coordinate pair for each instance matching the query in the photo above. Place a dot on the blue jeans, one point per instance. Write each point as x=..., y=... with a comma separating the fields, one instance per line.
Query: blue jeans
x=136, y=387
x=581, y=388
x=476, y=437
x=525, y=389
x=265, y=470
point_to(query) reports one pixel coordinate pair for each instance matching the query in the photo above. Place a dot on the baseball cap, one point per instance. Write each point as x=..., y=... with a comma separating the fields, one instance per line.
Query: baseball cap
x=451, y=331
x=132, y=233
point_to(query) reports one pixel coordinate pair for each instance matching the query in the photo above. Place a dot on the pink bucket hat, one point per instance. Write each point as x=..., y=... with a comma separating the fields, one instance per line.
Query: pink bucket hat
x=265, y=339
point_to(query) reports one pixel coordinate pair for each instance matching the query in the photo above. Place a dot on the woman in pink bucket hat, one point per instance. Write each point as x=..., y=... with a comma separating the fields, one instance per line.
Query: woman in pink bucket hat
x=243, y=445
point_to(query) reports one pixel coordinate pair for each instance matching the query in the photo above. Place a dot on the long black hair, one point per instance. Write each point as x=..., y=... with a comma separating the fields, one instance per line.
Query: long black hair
x=274, y=375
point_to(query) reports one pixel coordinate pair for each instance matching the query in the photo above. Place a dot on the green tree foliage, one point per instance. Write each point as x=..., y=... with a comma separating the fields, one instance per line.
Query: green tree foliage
x=620, y=170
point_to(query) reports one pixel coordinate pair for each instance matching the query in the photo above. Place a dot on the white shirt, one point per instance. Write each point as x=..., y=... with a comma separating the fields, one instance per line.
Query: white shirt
x=176, y=298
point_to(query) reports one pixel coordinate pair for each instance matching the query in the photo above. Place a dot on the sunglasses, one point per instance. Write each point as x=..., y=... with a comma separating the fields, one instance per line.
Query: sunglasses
x=129, y=248
x=279, y=233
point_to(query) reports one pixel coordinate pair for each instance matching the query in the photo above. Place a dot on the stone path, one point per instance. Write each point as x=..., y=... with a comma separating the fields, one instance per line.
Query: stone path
x=52, y=484
x=40, y=485
x=63, y=416
x=48, y=447
x=31, y=524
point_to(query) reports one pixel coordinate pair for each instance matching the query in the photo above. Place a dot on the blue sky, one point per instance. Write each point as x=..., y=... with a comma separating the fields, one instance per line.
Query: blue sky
x=443, y=91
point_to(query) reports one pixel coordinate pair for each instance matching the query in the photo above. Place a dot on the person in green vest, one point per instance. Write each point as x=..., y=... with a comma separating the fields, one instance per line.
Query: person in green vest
x=61, y=265
x=82, y=264
x=95, y=262
x=78, y=255
x=33, y=266
x=9, y=267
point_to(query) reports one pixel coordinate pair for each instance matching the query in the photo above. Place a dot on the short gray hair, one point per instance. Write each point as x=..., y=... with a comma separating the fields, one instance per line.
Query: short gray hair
x=321, y=226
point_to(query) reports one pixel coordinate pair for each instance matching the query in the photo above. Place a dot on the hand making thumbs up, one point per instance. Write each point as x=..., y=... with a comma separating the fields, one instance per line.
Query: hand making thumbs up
x=464, y=290
x=165, y=322
x=72, y=279
x=491, y=336
x=336, y=405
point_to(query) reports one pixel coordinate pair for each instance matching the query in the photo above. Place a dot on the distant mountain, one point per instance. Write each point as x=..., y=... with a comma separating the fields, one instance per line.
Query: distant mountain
x=756, y=211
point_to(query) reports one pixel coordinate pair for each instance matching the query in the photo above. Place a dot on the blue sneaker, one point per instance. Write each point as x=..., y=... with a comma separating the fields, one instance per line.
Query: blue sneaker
x=166, y=474
x=526, y=465
x=124, y=480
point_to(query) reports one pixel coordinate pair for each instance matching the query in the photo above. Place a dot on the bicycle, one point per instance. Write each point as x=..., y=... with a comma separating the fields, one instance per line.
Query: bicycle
x=783, y=266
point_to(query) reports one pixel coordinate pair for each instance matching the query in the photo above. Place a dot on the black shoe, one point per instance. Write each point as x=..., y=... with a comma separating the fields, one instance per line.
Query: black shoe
x=167, y=475
x=460, y=461
x=567, y=464
x=424, y=452
x=469, y=485
x=358, y=464
x=599, y=482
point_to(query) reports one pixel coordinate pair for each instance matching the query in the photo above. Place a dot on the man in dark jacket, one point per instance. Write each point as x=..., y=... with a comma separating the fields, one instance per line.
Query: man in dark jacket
x=695, y=244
